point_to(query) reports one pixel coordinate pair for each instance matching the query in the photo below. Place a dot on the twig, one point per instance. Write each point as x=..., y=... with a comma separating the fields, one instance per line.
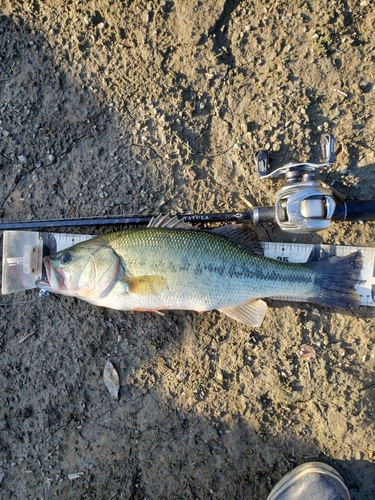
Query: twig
x=247, y=202
x=27, y=336
x=308, y=369
x=9, y=77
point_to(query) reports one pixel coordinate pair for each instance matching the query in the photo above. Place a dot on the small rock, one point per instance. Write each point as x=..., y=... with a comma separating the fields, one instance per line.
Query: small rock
x=22, y=159
x=310, y=325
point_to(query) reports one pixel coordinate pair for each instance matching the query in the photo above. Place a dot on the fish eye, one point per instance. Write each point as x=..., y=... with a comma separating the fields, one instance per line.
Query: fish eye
x=65, y=258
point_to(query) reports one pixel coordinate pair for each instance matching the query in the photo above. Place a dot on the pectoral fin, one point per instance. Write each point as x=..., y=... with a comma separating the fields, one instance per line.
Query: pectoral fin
x=145, y=285
x=251, y=313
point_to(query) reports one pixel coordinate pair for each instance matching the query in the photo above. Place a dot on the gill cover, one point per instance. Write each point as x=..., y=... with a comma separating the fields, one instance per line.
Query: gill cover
x=89, y=269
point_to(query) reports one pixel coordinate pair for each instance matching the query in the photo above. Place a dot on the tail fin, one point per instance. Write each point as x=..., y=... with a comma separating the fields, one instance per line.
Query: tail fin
x=338, y=277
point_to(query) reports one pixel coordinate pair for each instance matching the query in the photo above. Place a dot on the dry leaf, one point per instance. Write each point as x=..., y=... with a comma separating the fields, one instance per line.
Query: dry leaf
x=308, y=353
x=111, y=379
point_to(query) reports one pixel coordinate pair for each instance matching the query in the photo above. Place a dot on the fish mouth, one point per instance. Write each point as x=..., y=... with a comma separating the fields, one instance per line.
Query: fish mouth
x=55, y=278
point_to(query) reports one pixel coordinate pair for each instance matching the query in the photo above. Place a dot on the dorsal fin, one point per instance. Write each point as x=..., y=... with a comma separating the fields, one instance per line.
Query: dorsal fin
x=244, y=234
x=171, y=222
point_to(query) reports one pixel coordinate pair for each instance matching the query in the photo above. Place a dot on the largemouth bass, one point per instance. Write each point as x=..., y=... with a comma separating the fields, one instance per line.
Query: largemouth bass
x=171, y=265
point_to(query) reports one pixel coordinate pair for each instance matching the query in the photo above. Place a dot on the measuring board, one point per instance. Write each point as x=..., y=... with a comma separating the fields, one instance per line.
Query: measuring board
x=23, y=252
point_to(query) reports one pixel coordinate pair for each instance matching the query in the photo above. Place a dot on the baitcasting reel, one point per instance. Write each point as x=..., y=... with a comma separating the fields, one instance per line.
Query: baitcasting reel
x=303, y=204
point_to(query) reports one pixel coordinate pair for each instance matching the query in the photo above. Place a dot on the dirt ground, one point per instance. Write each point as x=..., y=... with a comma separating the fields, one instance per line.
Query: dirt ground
x=138, y=107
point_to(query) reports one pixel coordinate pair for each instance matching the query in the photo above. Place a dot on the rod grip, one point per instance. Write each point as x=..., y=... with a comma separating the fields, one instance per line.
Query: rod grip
x=352, y=210
x=263, y=214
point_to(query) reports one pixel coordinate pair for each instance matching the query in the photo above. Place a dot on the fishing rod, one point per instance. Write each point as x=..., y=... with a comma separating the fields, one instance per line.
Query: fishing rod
x=313, y=215
x=304, y=204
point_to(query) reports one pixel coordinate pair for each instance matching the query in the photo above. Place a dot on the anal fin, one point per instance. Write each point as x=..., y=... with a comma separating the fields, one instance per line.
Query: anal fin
x=251, y=313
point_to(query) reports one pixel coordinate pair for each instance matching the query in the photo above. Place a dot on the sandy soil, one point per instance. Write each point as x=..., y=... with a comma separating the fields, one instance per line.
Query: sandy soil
x=123, y=107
